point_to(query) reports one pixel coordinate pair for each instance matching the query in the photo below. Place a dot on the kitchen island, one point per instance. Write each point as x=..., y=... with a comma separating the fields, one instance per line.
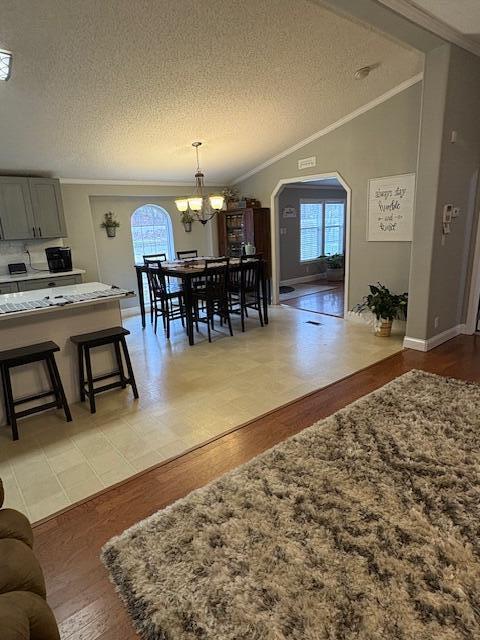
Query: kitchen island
x=29, y=317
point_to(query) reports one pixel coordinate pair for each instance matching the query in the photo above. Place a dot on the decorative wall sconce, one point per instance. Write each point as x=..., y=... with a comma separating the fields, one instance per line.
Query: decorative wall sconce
x=110, y=224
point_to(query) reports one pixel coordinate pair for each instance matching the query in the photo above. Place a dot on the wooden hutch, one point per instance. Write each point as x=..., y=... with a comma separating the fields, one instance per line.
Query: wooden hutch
x=236, y=227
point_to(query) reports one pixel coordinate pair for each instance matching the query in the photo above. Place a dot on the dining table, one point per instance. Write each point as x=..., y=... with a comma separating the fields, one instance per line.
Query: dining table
x=186, y=271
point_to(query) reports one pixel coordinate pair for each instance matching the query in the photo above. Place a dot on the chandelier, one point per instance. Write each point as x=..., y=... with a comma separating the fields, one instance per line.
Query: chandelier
x=201, y=207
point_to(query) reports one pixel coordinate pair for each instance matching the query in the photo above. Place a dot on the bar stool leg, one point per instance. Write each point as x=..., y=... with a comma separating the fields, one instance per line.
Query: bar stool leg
x=61, y=391
x=129, y=367
x=4, y=386
x=121, y=372
x=81, y=372
x=11, y=406
x=91, y=394
x=54, y=383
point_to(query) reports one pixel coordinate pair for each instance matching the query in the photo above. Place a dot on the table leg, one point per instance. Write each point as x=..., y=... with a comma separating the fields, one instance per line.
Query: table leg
x=141, y=297
x=187, y=296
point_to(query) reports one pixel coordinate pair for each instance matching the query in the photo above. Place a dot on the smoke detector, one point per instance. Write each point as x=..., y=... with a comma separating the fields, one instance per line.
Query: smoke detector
x=362, y=73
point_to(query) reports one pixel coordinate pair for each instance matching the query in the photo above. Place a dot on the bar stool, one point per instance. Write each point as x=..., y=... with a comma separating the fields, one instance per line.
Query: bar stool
x=41, y=352
x=87, y=341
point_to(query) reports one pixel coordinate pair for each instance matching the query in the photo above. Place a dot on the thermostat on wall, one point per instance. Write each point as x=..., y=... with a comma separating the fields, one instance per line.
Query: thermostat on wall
x=16, y=267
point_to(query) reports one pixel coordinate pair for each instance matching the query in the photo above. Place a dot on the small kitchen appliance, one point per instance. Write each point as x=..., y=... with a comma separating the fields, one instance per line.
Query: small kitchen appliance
x=15, y=268
x=59, y=259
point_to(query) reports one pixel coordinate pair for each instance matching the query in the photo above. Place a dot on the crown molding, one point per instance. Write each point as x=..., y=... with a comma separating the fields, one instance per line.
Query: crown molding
x=431, y=23
x=130, y=183
x=351, y=116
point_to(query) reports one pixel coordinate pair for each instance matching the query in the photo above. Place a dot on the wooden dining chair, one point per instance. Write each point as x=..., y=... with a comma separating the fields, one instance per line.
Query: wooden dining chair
x=168, y=302
x=152, y=258
x=185, y=255
x=244, y=288
x=213, y=295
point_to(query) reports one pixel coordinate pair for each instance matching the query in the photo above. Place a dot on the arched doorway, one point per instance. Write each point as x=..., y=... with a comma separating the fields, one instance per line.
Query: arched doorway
x=275, y=229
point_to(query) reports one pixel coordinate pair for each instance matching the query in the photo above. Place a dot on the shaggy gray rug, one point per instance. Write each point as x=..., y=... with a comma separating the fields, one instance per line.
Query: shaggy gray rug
x=364, y=526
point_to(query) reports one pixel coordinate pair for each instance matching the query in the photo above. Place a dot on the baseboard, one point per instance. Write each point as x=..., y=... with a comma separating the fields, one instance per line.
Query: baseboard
x=426, y=345
x=312, y=278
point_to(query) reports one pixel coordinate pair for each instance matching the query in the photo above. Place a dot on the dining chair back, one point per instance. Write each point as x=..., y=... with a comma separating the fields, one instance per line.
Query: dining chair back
x=152, y=259
x=167, y=300
x=156, y=277
x=244, y=287
x=213, y=293
x=185, y=255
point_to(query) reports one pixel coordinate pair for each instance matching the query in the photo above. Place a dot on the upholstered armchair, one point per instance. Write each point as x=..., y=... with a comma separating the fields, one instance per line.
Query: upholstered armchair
x=24, y=613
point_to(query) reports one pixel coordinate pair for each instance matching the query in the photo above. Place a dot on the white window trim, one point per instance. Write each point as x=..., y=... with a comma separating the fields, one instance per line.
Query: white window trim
x=324, y=201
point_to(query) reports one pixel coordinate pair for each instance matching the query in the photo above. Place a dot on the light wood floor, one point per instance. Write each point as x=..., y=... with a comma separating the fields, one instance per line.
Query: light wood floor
x=329, y=303
x=68, y=546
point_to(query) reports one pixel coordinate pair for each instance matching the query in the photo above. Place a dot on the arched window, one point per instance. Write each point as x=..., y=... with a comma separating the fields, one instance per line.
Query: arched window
x=151, y=232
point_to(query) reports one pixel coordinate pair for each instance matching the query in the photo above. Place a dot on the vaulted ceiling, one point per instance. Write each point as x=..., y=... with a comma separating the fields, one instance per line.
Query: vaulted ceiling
x=119, y=89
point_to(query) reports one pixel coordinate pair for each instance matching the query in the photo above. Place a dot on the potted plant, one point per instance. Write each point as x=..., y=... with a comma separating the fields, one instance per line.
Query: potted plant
x=187, y=220
x=385, y=306
x=110, y=224
x=335, y=267
x=231, y=196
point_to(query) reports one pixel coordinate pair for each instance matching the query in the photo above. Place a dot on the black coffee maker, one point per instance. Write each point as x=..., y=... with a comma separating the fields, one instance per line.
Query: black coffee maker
x=59, y=259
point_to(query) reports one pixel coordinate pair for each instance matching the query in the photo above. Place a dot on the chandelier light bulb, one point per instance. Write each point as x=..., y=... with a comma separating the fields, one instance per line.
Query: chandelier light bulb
x=182, y=204
x=216, y=202
x=195, y=204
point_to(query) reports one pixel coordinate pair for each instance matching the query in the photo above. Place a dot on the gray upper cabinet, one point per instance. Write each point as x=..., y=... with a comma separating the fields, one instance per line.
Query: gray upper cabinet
x=16, y=215
x=31, y=208
x=49, y=219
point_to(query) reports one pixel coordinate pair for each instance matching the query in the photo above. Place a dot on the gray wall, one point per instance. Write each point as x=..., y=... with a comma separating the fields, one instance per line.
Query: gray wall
x=447, y=174
x=290, y=265
x=381, y=142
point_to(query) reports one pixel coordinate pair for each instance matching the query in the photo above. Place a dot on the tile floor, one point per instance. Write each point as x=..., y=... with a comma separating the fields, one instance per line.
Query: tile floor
x=187, y=396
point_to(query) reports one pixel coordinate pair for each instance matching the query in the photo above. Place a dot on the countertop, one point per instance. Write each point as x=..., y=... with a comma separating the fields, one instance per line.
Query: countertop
x=38, y=275
x=55, y=298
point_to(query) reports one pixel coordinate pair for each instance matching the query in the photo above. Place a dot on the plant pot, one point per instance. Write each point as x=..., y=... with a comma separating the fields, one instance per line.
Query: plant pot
x=383, y=328
x=187, y=226
x=111, y=232
x=335, y=275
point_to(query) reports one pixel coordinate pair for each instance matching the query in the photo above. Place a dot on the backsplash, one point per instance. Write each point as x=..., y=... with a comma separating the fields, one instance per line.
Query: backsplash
x=12, y=251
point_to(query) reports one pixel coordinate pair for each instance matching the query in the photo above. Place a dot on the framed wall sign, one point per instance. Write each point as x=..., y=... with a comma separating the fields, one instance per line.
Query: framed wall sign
x=391, y=202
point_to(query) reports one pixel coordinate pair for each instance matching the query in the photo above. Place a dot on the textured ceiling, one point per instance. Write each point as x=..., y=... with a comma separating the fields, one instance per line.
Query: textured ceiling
x=462, y=15
x=118, y=89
